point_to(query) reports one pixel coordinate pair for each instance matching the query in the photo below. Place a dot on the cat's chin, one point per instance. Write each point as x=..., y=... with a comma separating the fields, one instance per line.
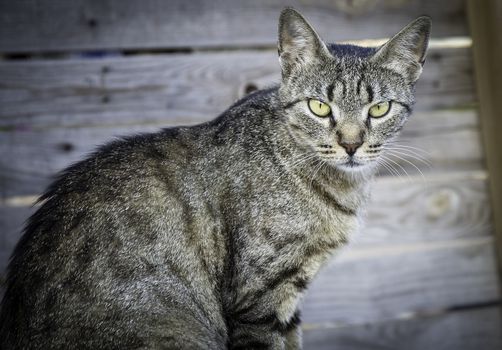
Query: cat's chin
x=352, y=166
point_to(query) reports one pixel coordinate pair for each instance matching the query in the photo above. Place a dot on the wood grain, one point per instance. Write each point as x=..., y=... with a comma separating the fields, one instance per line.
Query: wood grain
x=438, y=207
x=468, y=330
x=59, y=25
x=363, y=288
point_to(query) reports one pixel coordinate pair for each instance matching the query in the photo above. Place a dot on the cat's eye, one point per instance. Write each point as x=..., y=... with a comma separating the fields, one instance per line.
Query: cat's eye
x=319, y=108
x=379, y=110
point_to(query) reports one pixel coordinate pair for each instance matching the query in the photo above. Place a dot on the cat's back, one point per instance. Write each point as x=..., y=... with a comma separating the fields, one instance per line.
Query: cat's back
x=135, y=230
x=109, y=237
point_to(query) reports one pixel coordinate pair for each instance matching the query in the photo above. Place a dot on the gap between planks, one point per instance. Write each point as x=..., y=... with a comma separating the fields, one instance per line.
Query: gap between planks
x=405, y=316
x=352, y=253
x=440, y=43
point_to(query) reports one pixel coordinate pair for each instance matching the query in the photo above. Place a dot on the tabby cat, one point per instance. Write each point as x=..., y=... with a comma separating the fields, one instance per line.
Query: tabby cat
x=206, y=237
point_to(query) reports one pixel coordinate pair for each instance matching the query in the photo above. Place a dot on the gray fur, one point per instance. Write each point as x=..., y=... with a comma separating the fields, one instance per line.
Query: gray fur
x=206, y=237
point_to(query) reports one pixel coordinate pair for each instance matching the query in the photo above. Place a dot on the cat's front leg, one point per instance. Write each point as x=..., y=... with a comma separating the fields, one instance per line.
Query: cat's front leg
x=267, y=333
x=270, y=340
x=292, y=332
x=293, y=339
x=256, y=337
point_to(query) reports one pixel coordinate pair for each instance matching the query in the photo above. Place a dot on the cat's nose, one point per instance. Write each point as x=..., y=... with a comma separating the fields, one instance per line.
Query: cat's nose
x=351, y=147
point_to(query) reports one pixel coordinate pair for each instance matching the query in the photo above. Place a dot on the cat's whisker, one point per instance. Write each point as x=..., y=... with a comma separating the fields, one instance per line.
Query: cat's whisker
x=407, y=154
x=301, y=160
x=407, y=147
x=382, y=161
x=414, y=150
x=398, y=165
x=316, y=170
x=391, y=171
x=407, y=161
x=398, y=143
x=295, y=163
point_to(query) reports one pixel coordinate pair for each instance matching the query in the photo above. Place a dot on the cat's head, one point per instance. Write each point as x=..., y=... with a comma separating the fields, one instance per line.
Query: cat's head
x=344, y=103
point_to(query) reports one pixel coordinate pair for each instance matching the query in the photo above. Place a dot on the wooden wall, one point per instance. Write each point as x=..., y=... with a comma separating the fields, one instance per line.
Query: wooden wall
x=421, y=275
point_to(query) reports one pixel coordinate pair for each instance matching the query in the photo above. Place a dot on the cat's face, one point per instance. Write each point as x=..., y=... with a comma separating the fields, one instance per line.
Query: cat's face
x=342, y=103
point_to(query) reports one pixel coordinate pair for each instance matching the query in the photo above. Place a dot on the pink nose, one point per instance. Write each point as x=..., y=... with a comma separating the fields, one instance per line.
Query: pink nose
x=350, y=148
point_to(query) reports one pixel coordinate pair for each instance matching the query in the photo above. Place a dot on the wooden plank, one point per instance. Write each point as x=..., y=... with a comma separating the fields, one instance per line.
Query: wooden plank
x=441, y=207
x=59, y=25
x=467, y=330
x=11, y=223
x=178, y=88
x=361, y=288
x=486, y=27
x=29, y=157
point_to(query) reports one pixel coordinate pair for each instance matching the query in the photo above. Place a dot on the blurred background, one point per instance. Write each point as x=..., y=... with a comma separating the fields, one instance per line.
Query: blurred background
x=421, y=275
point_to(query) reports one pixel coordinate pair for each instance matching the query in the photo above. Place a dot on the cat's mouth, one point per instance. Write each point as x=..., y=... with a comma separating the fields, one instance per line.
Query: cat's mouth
x=351, y=163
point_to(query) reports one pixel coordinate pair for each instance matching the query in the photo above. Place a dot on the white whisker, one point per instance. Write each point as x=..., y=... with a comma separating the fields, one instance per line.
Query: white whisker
x=399, y=165
x=418, y=149
x=316, y=170
x=418, y=153
x=407, y=161
x=295, y=163
x=405, y=153
x=388, y=166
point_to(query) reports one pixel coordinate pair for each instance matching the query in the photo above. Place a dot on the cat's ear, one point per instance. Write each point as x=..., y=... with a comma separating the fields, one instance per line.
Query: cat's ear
x=299, y=44
x=405, y=52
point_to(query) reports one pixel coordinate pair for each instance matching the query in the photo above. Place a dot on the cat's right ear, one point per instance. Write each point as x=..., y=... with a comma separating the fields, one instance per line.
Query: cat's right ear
x=405, y=52
x=299, y=44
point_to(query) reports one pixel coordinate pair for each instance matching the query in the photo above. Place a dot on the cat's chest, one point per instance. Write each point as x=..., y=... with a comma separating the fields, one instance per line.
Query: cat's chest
x=329, y=230
x=336, y=213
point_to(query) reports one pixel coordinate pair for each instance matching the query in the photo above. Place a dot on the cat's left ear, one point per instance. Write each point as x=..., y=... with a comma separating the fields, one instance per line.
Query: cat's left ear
x=405, y=52
x=299, y=44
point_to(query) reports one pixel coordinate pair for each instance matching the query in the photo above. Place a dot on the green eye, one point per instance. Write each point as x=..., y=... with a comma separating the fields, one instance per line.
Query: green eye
x=319, y=108
x=379, y=110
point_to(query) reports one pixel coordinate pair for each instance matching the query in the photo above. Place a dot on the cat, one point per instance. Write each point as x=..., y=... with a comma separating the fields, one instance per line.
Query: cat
x=206, y=237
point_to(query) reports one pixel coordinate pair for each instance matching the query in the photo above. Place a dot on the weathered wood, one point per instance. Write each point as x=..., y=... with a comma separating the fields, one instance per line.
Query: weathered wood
x=477, y=329
x=178, y=88
x=362, y=288
x=48, y=25
x=486, y=27
x=439, y=207
x=29, y=157
x=11, y=223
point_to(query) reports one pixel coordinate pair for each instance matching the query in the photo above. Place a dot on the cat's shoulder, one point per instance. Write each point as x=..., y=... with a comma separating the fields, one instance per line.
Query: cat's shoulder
x=257, y=100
